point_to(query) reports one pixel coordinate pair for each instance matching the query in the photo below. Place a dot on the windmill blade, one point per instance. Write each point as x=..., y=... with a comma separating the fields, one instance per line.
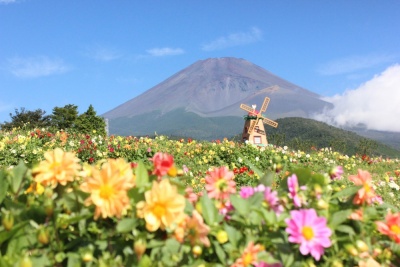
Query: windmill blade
x=252, y=126
x=270, y=122
x=264, y=105
x=247, y=108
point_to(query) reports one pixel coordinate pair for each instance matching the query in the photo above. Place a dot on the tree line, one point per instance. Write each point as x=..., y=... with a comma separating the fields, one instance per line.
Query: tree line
x=62, y=118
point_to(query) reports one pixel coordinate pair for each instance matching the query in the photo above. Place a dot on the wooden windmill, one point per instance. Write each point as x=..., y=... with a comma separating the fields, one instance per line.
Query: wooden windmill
x=253, y=130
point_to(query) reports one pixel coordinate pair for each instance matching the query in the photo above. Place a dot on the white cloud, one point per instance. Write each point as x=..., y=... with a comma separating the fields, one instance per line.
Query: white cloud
x=165, y=51
x=354, y=63
x=39, y=66
x=374, y=104
x=5, y=2
x=234, y=39
x=100, y=53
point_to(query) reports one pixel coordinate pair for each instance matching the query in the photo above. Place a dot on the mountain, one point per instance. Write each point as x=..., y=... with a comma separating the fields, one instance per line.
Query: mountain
x=206, y=95
x=302, y=133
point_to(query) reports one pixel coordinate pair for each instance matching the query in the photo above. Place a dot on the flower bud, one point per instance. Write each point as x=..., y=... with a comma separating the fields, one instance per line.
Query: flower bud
x=361, y=246
x=43, y=236
x=25, y=262
x=197, y=250
x=8, y=221
x=222, y=236
x=321, y=204
x=351, y=249
x=140, y=246
x=87, y=256
x=48, y=207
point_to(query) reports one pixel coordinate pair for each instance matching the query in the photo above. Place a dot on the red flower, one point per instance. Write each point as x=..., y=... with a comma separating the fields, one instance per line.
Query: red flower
x=162, y=163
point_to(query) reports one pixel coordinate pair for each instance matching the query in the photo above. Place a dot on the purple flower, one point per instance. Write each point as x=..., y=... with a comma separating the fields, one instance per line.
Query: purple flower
x=246, y=191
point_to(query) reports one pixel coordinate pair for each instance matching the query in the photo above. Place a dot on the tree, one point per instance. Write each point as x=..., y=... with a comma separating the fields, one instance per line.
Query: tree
x=88, y=122
x=64, y=117
x=27, y=119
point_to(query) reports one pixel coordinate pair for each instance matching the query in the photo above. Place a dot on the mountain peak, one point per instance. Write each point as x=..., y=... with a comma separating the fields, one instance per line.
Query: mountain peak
x=216, y=87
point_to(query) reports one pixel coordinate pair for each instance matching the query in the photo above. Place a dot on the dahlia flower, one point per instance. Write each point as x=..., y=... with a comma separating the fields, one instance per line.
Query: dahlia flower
x=310, y=231
x=220, y=184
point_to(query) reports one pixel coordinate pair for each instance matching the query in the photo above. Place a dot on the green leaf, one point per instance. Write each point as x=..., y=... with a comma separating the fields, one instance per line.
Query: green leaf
x=347, y=192
x=345, y=229
x=253, y=167
x=145, y=261
x=242, y=206
x=126, y=225
x=142, y=176
x=5, y=235
x=3, y=185
x=73, y=260
x=338, y=218
x=17, y=175
x=267, y=179
x=220, y=252
x=208, y=210
x=233, y=234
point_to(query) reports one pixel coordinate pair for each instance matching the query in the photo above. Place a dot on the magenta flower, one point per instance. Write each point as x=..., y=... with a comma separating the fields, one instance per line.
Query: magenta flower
x=293, y=186
x=310, y=231
x=246, y=191
x=271, y=198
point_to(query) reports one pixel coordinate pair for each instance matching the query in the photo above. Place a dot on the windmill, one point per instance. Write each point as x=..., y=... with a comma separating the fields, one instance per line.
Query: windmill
x=253, y=130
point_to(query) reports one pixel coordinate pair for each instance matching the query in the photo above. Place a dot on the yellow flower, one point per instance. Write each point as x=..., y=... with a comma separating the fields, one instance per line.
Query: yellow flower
x=108, y=188
x=163, y=206
x=59, y=167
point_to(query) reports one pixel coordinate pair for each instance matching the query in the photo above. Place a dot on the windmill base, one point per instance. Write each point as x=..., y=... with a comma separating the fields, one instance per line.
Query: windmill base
x=258, y=136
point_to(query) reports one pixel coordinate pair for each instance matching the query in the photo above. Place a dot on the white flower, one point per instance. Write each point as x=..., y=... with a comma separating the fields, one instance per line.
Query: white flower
x=240, y=160
x=257, y=158
x=394, y=185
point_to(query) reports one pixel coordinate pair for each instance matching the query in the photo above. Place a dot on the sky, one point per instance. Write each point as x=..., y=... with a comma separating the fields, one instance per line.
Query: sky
x=104, y=53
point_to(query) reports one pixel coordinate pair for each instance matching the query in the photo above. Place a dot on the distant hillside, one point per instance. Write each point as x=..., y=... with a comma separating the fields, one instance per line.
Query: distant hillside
x=301, y=133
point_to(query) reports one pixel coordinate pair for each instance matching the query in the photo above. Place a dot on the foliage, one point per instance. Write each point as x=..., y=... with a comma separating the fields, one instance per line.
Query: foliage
x=57, y=227
x=88, y=122
x=26, y=119
x=65, y=117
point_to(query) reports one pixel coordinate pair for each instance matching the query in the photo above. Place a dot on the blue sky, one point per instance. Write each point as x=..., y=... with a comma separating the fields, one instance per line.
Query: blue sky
x=103, y=53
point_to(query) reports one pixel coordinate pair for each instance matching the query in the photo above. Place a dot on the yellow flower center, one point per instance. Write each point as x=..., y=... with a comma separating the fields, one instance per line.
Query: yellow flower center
x=395, y=229
x=367, y=188
x=307, y=232
x=159, y=210
x=106, y=191
x=247, y=259
x=221, y=185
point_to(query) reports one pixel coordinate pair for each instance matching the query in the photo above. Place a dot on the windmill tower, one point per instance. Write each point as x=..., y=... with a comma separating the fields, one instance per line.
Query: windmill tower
x=253, y=130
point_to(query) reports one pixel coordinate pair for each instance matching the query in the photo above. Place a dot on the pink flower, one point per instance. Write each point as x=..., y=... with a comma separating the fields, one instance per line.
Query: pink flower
x=310, y=231
x=246, y=191
x=162, y=163
x=271, y=198
x=336, y=172
x=293, y=186
x=264, y=264
x=220, y=184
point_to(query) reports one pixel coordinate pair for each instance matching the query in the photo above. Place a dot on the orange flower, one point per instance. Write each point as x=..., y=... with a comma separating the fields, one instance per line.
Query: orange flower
x=220, y=184
x=249, y=256
x=163, y=206
x=366, y=194
x=108, y=188
x=356, y=215
x=391, y=227
x=59, y=167
x=197, y=229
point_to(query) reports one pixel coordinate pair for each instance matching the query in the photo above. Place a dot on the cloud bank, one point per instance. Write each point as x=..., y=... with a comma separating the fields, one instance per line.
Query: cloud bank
x=374, y=104
x=234, y=39
x=34, y=67
x=165, y=51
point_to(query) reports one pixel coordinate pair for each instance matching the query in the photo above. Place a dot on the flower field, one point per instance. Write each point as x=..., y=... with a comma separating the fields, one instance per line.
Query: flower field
x=71, y=199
